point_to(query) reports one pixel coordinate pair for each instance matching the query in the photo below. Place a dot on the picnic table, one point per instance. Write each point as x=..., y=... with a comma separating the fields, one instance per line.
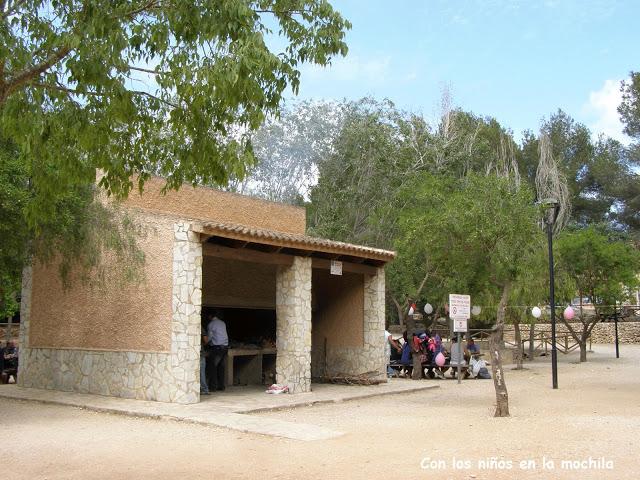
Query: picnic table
x=247, y=371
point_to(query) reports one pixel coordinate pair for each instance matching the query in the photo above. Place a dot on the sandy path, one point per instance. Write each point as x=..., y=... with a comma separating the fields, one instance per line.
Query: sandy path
x=596, y=412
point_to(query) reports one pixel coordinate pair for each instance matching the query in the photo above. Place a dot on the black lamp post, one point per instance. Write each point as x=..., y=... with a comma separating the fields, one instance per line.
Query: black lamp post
x=552, y=205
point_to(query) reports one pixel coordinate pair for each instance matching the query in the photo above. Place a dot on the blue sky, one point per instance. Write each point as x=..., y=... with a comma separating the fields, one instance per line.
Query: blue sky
x=515, y=60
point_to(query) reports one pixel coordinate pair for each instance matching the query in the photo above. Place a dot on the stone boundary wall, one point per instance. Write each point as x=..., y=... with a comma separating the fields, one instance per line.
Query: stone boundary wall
x=167, y=377
x=369, y=358
x=603, y=332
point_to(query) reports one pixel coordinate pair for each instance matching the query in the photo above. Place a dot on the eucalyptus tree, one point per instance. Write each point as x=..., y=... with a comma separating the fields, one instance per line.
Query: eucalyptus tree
x=288, y=150
x=601, y=174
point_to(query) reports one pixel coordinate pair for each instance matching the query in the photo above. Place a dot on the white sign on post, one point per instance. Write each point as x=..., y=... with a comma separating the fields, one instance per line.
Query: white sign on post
x=336, y=267
x=459, y=311
x=459, y=326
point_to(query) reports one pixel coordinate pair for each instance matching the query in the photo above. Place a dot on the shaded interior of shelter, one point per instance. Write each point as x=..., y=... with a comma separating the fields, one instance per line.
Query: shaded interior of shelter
x=239, y=280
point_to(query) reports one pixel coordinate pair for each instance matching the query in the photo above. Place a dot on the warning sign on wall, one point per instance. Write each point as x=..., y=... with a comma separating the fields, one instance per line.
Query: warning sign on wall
x=336, y=267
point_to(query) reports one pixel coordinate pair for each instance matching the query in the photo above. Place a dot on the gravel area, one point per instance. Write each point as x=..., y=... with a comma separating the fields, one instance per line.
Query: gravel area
x=591, y=422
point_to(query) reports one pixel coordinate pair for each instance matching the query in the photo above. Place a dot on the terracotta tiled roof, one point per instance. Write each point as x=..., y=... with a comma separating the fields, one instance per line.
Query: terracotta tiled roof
x=294, y=241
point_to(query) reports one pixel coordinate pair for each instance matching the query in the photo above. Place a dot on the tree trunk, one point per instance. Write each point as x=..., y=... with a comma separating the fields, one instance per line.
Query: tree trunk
x=502, y=396
x=583, y=347
x=8, y=332
x=519, y=352
x=400, y=310
x=416, y=373
x=532, y=329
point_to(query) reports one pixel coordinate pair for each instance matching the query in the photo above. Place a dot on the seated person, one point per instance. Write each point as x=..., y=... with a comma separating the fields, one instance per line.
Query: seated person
x=436, y=347
x=10, y=357
x=472, y=349
x=458, y=351
x=388, y=343
x=405, y=354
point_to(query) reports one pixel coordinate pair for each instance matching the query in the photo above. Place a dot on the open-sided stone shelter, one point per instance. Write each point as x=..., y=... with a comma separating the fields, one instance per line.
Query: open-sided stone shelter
x=207, y=249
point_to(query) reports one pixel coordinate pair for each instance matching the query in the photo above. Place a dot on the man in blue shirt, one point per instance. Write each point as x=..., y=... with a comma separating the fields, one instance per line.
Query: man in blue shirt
x=218, y=344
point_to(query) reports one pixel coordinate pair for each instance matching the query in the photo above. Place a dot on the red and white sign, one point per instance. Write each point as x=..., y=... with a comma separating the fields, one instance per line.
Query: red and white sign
x=459, y=311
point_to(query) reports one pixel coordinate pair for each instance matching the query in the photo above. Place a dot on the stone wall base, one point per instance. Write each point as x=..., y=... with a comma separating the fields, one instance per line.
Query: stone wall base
x=143, y=376
x=349, y=361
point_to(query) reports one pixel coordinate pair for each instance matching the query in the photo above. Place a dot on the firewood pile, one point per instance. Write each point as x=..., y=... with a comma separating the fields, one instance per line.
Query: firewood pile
x=367, y=378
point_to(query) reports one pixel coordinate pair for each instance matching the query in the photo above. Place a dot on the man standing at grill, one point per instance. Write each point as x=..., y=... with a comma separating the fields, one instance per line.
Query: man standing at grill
x=218, y=348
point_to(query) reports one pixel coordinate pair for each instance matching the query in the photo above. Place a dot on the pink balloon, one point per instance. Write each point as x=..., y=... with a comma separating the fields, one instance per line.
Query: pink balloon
x=440, y=359
x=568, y=313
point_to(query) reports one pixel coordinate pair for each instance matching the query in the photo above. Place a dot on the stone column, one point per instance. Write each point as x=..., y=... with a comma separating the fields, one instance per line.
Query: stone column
x=374, y=305
x=293, y=330
x=25, y=314
x=184, y=380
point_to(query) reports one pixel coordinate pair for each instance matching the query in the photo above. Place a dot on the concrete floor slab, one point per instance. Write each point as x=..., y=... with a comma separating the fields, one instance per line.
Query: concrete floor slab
x=230, y=409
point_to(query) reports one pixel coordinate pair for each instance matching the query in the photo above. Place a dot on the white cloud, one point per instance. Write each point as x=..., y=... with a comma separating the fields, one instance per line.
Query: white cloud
x=411, y=76
x=602, y=111
x=352, y=69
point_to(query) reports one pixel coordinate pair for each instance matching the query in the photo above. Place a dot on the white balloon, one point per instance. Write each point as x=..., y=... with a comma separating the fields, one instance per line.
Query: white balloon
x=428, y=309
x=536, y=312
x=475, y=310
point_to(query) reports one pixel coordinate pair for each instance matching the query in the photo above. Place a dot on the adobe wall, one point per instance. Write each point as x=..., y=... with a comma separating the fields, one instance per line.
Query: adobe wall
x=170, y=373
x=129, y=318
x=338, y=314
x=208, y=204
x=367, y=356
x=232, y=283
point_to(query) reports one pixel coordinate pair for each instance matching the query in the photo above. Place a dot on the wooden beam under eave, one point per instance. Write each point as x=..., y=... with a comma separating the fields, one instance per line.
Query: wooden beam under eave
x=324, y=264
x=246, y=255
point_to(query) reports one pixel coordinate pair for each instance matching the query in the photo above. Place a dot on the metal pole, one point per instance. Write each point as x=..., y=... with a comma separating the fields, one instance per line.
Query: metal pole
x=460, y=350
x=552, y=300
x=615, y=319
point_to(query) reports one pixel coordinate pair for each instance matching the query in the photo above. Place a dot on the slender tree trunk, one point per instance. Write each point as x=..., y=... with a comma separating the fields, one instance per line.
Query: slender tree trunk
x=8, y=332
x=399, y=309
x=532, y=329
x=583, y=351
x=583, y=345
x=502, y=396
x=519, y=352
x=416, y=373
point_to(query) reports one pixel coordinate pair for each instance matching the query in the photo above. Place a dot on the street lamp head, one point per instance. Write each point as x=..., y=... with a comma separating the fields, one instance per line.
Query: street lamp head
x=551, y=204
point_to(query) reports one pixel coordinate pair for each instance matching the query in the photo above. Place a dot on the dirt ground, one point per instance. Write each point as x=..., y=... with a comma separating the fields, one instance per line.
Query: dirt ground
x=594, y=415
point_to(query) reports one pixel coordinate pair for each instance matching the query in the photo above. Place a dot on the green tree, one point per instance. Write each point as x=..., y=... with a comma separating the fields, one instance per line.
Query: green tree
x=354, y=198
x=603, y=186
x=152, y=86
x=601, y=266
x=80, y=230
x=477, y=237
x=629, y=109
x=288, y=150
x=13, y=229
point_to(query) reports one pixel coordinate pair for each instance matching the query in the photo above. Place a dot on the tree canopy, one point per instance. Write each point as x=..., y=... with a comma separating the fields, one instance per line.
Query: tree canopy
x=135, y=88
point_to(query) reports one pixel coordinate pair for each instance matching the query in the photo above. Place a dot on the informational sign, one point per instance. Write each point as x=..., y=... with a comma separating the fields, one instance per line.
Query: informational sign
x=459, y=311
x=459, y=306
x=459, y=326
x=336, y=267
